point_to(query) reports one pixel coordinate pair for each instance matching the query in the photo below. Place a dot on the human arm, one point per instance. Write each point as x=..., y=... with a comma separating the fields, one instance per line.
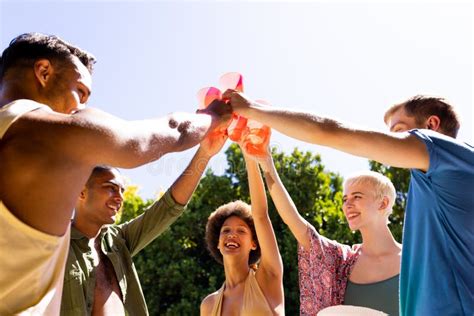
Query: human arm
x=283, y=202
x=129, y=144
x=183, y=188
x=270, y=261
x=269, y=274
x=141, y=231
x=395, y=149
x=61, y=150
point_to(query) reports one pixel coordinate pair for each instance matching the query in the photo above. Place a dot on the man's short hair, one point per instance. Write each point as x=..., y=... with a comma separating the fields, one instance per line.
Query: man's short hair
x=216, y=220
x=26, y=49
x=98, y=170
x=421, y=107
x=378, y=183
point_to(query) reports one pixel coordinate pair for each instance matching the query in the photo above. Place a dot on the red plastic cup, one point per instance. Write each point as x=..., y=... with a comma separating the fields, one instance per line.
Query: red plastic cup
x=232, y=80
x=236, y=127
x=206, y=95
x=256, y=140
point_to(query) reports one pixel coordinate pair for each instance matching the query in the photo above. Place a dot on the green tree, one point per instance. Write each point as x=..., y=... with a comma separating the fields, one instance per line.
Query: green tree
x=400, y=179
x=176, y=271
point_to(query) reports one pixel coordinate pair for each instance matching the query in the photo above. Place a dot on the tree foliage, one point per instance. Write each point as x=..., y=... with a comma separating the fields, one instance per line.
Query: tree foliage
x=400, y=179
x=176, y=271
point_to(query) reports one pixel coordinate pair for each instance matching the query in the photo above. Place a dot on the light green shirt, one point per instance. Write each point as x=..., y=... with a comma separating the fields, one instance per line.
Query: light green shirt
x=119, y=243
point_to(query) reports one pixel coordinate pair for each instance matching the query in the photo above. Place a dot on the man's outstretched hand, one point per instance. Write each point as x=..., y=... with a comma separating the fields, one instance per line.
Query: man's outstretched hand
x=221, y=113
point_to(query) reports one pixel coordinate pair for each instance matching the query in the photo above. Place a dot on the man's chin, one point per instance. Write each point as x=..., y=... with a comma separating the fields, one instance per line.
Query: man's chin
x=109, y=221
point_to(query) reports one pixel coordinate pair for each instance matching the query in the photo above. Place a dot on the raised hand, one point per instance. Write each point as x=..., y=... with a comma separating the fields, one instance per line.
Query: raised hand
x=237, y=100
x=213, y=143
x=221, y=113
x=248, y=148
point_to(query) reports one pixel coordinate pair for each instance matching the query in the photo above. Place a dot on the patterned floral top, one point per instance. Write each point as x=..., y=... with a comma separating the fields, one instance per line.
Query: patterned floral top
x=323, y=272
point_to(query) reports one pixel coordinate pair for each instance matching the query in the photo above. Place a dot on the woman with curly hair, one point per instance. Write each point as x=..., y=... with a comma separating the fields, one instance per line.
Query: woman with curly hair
x=241, y=238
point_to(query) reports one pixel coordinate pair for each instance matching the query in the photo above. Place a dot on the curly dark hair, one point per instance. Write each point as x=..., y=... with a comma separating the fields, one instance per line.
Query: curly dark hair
x=216, y=220
x=27, y=48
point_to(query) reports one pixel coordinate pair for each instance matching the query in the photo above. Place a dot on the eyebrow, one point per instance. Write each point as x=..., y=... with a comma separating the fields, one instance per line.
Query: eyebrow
x=358, y=192
x=395, y=125
x=122, y=189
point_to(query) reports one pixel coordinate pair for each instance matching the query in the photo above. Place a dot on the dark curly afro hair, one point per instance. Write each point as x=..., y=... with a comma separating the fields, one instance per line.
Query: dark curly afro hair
x=216, y=220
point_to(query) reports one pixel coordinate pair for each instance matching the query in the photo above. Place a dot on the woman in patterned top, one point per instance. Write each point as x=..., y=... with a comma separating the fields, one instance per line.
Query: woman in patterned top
x=331, y=273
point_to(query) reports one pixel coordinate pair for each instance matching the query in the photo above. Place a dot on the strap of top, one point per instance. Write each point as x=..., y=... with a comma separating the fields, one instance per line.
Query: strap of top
x=12, y=111
x=217, y=309
x=254, y=301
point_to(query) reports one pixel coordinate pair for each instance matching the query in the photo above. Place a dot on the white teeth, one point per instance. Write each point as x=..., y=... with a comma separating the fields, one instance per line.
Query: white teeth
x=351, y=216
x=113, y=207
x=232, y=245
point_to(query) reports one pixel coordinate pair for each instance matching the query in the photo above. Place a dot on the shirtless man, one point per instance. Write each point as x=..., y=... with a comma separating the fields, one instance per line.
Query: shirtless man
x=49, y=145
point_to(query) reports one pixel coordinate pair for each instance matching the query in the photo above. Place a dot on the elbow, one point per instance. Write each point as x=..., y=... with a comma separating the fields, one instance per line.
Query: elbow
x=261, y=216
x=187, y=132
x=181, y=125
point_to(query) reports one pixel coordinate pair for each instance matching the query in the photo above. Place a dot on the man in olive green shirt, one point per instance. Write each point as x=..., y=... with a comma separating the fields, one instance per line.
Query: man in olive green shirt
x=100, y=277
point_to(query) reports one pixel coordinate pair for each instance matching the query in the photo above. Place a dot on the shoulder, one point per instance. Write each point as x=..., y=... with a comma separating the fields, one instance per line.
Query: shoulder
x=432, y=138
x=208, y=303
x=113, y=235
x=445, y=152
x=324, y=243
x=36, y=120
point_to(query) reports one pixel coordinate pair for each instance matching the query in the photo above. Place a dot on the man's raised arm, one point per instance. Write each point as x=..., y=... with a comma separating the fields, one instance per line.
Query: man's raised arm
x=394, y=149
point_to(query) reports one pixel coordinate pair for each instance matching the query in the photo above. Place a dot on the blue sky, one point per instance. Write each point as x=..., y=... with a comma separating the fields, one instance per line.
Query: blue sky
x=348, y=60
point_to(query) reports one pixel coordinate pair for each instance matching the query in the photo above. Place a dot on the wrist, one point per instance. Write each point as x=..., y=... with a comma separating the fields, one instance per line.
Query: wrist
x=203, y=154
x=266, y=164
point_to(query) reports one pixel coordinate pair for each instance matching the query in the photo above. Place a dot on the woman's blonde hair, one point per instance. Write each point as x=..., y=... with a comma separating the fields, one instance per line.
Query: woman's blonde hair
x=380, y=184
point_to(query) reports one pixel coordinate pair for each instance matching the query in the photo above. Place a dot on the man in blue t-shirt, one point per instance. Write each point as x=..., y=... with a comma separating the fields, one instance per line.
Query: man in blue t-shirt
x=437, y=273
x=438, y=237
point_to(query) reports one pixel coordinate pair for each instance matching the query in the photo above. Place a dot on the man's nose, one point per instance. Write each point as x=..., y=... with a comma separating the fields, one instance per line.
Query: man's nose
x=118, y=197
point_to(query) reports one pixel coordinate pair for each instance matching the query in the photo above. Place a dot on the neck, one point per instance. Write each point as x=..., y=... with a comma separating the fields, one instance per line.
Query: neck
x=236, y=271
x=10, y=92
x=378, y=241
x=89, y=229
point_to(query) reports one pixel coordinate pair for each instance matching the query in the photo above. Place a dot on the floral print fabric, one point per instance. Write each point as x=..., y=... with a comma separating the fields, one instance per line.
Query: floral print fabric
x=323, y=272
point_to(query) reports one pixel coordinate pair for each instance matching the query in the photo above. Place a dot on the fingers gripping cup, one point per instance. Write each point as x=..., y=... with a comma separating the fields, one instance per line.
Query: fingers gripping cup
x=257, y=136
x=252, y=134
x=234, y=81
x=205, y=97
x=237, y=127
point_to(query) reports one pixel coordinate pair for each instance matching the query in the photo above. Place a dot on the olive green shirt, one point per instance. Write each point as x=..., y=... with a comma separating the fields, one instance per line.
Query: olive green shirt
x=119, y=243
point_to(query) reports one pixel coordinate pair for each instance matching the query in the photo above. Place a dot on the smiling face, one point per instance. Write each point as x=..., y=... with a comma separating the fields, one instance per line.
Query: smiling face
x=102, y=198
x=230, y=230
x=361, y=207
x=235, y=237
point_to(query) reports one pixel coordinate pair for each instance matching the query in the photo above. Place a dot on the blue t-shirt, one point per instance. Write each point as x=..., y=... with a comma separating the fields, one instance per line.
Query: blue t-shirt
x=437, y=274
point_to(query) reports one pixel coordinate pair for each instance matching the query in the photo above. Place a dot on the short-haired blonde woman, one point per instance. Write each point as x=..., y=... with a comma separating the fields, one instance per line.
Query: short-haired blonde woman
x=331, y=273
